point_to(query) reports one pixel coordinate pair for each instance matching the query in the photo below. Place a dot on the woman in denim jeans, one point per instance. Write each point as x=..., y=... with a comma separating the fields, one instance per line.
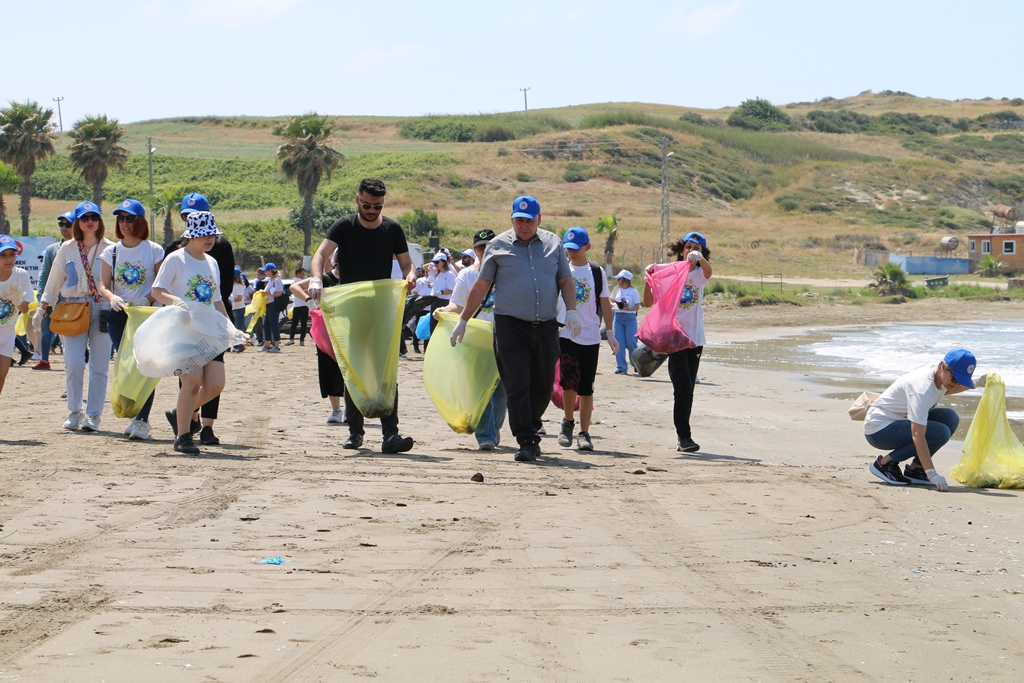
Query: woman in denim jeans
x=625, y=302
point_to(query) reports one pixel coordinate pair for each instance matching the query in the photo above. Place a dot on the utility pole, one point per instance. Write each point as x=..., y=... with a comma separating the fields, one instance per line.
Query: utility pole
x=149, y=151
x=666, y=234
x=525, y=108
x=60, y=118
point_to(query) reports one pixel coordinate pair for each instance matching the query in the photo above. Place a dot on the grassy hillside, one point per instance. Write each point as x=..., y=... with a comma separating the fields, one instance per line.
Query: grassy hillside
x=909, y=171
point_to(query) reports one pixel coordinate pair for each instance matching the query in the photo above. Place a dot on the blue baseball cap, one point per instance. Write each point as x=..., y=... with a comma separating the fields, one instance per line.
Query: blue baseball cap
x=132, y=207
x=7, y=243
x=575, y=238
x=696, y=237
x=525, y=207
x=86, y=207
x=194, y=202
x=238, y=271
x=269, y=266
x=962, y=363
x=69, y=216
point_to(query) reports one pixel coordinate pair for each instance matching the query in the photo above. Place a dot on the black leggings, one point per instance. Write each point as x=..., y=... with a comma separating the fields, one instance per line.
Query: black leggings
x=682, y=370
x=300, y=314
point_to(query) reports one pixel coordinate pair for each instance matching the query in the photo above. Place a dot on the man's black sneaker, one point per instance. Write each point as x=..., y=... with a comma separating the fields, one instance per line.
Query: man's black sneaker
x=565, y=434
x=172, y=416
x=184, y=444
x=396, y=444
x=207, y=437
x=687, y=446
x=353, y=441
x=528, y=453
x=889, y=472
x=914, y=473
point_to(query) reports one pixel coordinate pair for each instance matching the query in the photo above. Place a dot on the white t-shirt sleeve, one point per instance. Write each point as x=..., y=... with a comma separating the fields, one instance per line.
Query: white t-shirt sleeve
x=464, y=282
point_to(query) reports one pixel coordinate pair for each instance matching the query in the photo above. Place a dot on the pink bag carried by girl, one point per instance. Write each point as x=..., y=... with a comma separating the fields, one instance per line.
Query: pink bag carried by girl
x=318, y=330
x=557, y=394
x=660, y=331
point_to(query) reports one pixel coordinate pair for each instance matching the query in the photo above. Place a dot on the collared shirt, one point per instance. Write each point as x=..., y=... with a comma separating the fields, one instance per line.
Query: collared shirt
x=525, y=275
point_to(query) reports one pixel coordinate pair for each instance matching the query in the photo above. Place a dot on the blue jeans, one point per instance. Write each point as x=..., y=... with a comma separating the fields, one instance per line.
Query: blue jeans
x=493, y=418
x=98, y=344
x=272, y=325
x=625, y=335
x=45, y=339
x=896, y=438
x=116, y=334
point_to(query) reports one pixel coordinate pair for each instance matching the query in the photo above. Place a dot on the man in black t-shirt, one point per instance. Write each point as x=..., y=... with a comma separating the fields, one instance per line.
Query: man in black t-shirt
x=366, y=243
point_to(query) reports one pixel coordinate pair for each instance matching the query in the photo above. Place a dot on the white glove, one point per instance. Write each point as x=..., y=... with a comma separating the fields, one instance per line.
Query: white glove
x=37, y=317
x=694, y=256
x=649, y=269
x=459, y=332
x=613, y=344
x=180, y=304
x=937, y=479
x=117, y=304
x=315, y=287
x=980, y=381
x=573, y=323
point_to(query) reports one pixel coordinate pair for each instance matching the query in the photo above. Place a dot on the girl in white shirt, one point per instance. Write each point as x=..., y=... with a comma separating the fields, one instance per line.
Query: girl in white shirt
x=15, y=296
x=625, y=303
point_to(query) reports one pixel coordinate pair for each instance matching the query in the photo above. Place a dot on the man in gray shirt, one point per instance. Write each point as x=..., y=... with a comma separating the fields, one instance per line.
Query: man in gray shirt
x=528, y=270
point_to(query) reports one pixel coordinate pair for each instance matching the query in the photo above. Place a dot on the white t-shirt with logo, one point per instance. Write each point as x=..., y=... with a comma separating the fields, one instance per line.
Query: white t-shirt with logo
x=464, y=282
x=133, y=274
x=908, y=398
x=690, y=312
x=14, y=291
x=190, y=279
x=587, y=306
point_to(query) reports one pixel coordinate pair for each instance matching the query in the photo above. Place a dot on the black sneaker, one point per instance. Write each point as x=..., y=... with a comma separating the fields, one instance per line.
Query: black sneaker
x=565, y=434
x=889, y=472
x=528, y=453
x=396, y=444
x=353, y=441
x=915, y=474
x=687, y=446
x=583, y=442
x=172, y=416
x=184, y=444
x=207, y=437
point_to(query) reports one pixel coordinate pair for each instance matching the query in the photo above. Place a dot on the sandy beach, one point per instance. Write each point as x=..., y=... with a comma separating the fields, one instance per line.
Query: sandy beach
x=771, y=555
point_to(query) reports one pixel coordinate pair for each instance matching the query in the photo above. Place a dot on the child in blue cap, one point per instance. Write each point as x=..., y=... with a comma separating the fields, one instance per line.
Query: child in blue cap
x=15, y=296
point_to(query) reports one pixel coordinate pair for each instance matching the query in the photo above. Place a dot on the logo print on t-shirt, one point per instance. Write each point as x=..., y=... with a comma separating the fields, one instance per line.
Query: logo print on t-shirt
x=6, y=311
x=199, y=288
x=131, y=275
x=582, y=291
x=689, y=297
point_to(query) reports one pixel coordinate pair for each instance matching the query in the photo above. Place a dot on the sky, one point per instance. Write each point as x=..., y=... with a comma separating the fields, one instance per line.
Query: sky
x=146, y=59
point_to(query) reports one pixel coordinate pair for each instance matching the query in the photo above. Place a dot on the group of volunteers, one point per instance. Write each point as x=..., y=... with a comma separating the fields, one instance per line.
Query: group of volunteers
x=543, y=299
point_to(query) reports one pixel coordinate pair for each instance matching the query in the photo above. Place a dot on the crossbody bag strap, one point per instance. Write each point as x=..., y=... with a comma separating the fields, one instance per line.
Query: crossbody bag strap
x=88, y=271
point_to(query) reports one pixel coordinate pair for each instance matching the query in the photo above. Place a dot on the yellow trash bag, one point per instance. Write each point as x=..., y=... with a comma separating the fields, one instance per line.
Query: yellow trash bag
x=461, y=379
x=22, y=323
x=364, y=320
x=257, y=308
x=993, y=456
x=129, y=388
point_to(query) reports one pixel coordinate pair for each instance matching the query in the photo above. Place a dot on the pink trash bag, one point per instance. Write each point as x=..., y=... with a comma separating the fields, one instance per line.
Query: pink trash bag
x=556, y=390
x=318, y=330
x=660, y=331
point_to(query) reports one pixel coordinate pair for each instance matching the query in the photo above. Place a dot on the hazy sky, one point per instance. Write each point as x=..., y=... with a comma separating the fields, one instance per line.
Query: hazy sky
x=136, y=60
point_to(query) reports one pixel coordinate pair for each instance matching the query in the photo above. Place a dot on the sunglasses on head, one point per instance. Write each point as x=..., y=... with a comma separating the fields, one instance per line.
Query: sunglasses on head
x=89, y=218
x=126, y=218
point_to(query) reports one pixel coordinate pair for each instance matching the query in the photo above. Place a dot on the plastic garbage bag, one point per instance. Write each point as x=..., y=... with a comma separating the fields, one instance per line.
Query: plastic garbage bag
x=557, y=393
x=645, y=360
x=423, y=328
x=364, y=320
x=174, y=342
x=129, y=388
x=24, y=319
x=461, y=379
x=257, y=309
x=660, y=331
x=992, y=456
x=318, y=330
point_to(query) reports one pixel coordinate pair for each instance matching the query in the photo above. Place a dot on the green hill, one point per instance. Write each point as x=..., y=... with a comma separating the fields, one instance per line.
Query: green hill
x=795, y=197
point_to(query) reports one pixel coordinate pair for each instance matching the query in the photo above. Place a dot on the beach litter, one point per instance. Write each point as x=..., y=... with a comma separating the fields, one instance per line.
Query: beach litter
x=274, y=560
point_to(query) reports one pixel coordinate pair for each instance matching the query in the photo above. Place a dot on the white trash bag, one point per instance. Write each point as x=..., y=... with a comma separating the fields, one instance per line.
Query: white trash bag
x=174, y=342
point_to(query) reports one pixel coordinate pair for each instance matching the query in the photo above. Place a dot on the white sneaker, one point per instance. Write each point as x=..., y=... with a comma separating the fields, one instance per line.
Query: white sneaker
x=91, y=423
x=335, y=418
x=130, y=428
x=140, y=431
x=74, y=421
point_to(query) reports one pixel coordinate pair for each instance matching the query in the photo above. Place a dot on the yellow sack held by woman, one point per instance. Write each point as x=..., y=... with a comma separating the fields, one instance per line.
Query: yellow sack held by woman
x=993, y=456
x=256, y=308
x=461, y=379
x=364, y=320
x=129, y=388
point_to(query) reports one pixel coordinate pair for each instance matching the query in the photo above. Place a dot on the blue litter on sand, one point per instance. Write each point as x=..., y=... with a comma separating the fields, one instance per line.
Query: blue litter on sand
x=274, y=560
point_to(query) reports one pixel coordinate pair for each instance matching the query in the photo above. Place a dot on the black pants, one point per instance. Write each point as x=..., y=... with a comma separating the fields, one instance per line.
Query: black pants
x=682, y=370
x=388, y=425
x=331, y=381
x=526, y=355
x=300, y=316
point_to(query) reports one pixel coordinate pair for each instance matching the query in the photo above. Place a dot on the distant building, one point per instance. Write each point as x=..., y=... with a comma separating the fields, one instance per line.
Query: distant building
x=1006, y=247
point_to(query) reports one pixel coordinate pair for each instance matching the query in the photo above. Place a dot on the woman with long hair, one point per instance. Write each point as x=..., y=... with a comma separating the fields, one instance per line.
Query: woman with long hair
x=683, y=365
x=75, y=277
x=128, y=272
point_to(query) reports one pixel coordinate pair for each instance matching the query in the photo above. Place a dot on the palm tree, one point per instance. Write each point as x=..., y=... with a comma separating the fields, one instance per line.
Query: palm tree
x=610, y=225
x=9, y=181
x=26, y=136
x=96, y=150
x=305, y=157
x=890, y=280
x=165, y=202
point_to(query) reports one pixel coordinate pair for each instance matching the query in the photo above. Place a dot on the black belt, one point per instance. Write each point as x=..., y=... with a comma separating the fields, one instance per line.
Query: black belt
x=528, y=323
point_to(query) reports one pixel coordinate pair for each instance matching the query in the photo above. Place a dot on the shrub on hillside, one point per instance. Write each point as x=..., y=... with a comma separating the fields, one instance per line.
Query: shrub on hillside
x=421, y=223
x=759, y=114
x=1001, y=120
x=524, y=177
x=575, y=173
x=324, y=214
x=840, y=121
x=438, y=129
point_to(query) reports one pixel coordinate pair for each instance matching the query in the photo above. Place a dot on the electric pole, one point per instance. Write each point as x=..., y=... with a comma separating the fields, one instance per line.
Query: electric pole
x=149, y=151
x=666, y=234
x=60, y=119
x=525, y=107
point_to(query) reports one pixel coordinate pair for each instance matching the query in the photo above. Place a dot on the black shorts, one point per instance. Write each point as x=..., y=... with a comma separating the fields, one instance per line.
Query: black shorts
x=577, y=366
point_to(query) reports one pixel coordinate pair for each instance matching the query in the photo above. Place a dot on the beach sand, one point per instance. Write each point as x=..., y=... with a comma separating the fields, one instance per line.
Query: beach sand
x=771, y=555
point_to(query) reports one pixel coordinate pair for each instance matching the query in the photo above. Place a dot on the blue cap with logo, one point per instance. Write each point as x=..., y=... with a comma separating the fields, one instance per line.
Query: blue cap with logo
x=69, y=216
x=194, y=202
x=132, y=207
x=270, y=266
x=86, y=207
x=696, y=237
x=961, y=363
x=7, y=243
x=575, y=238
x=525, y=207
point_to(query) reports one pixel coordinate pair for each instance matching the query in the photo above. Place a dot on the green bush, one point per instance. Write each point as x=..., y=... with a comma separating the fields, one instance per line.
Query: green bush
x=787, y=203
x=324, y=214
x=575, y=173
x=438, y=129
x=759, y=114
x=524, y=177
x=421, y=224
